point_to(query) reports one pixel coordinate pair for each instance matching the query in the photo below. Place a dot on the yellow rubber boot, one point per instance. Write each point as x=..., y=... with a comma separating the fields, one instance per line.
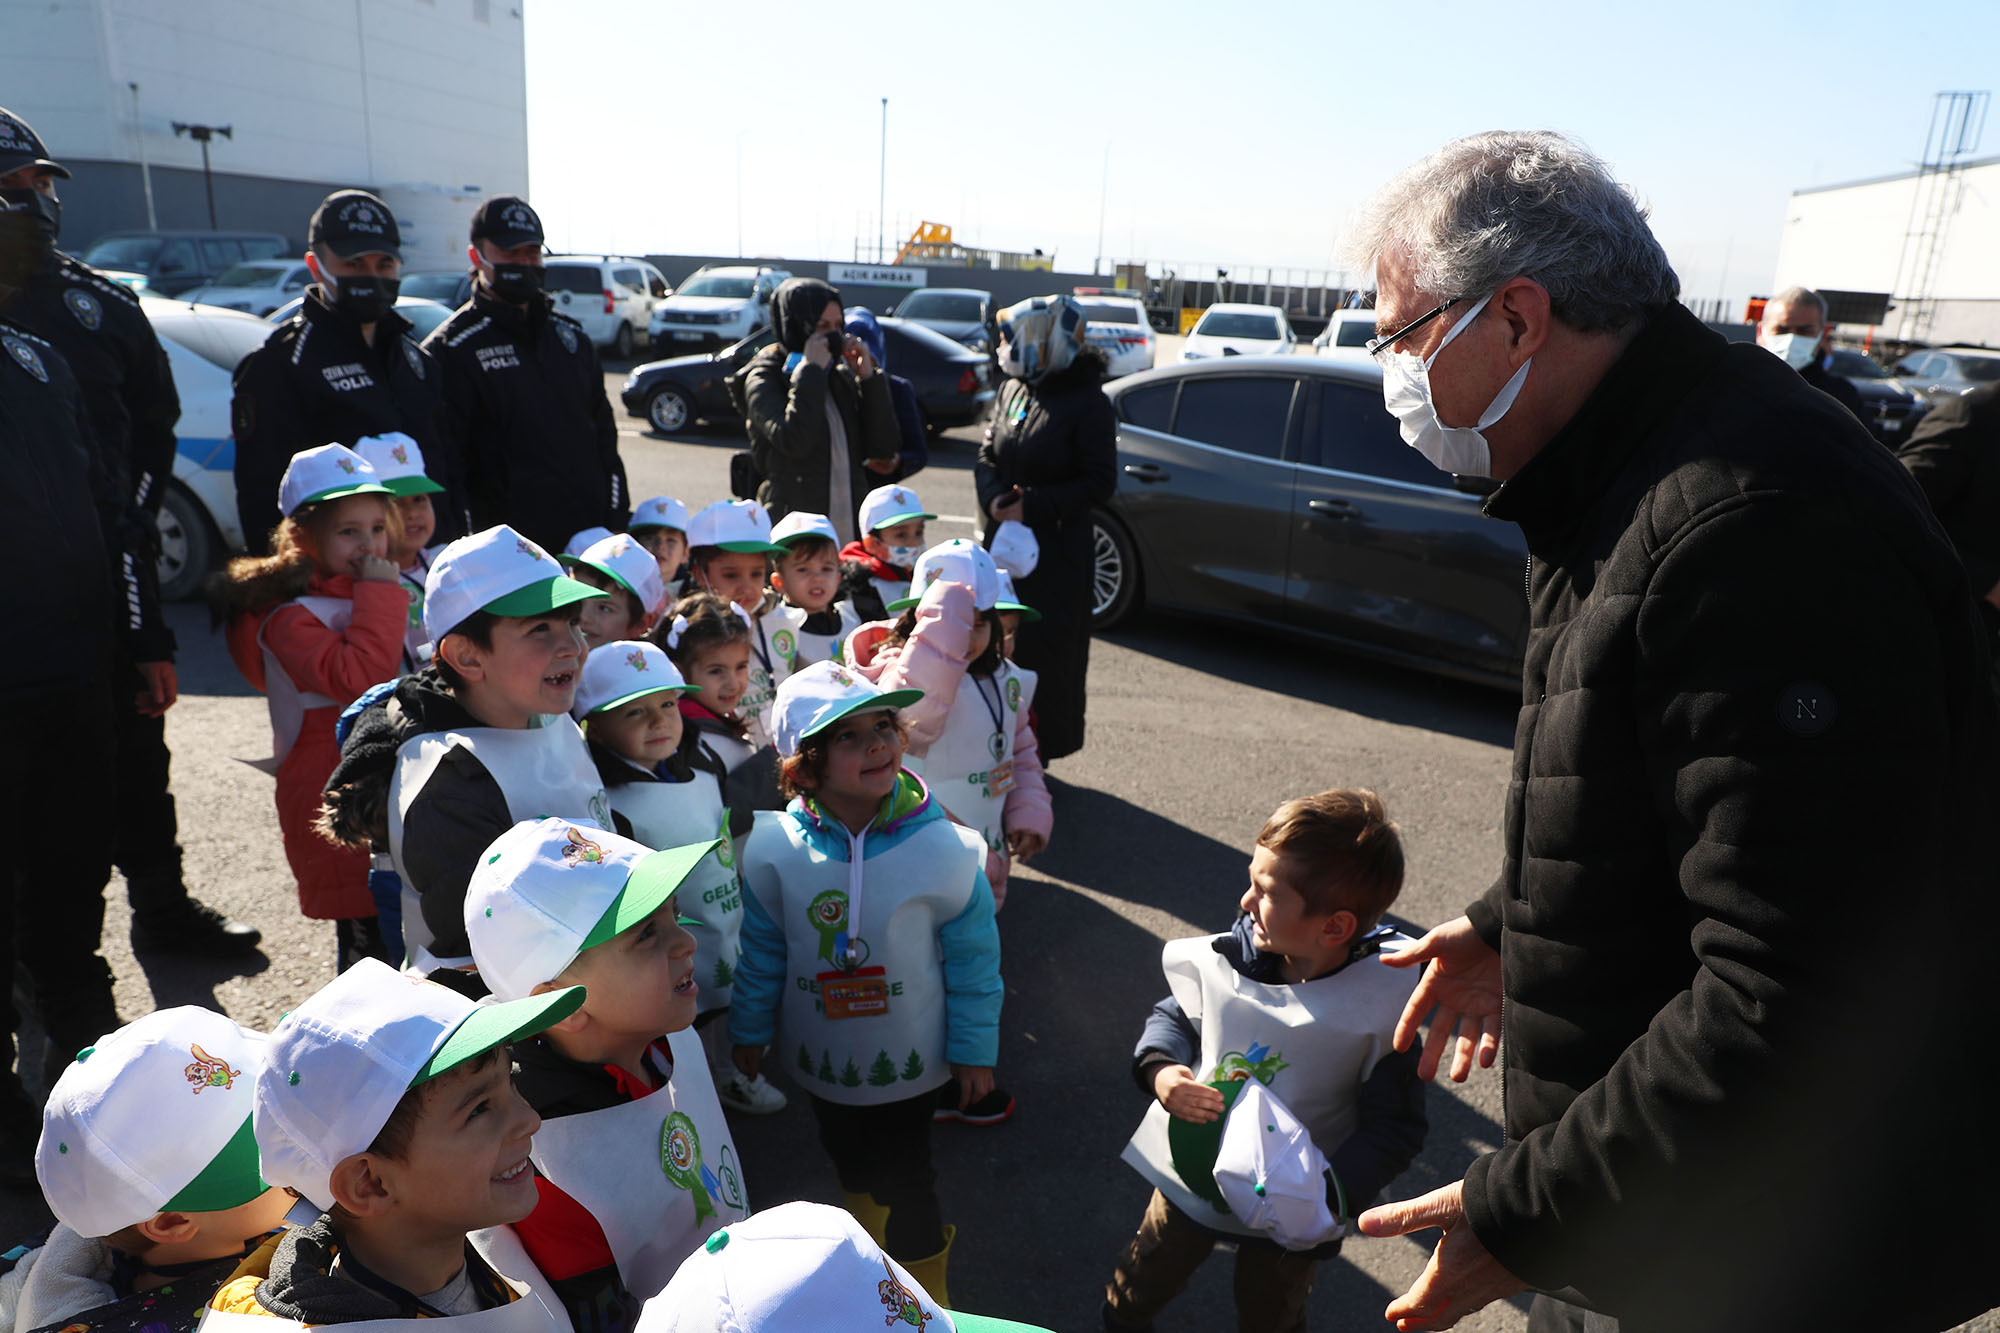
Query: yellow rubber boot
x=873, y=1217
x=929, y=1272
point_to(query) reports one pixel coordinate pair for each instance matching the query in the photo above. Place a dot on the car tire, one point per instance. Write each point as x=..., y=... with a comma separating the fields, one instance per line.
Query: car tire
x=622, y=344
x=188, y=545
x=1114, y=576
x=669, y=409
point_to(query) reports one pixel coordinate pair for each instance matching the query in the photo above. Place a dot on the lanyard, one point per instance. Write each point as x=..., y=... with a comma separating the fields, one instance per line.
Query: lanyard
x=998, y=746
x=762, y=646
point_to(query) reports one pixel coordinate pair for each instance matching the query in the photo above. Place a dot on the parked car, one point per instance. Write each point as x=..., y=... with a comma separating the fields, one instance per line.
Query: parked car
x=1230, y=328
x=198, y=524
x=962, y=314
x=1892, y=409
x=719, y=305
x=1346, y=335
x=424, y=315
x=954, y=384
x=612, y=298
x=257, y=286
x=1937, y=373
x=173, y=261
x=1278, y=490
x=1116, y=325
x=450, y=290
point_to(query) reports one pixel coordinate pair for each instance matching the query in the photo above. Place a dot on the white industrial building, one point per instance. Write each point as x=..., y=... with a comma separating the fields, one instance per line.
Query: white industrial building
x=1927, y=239
x=422, y=101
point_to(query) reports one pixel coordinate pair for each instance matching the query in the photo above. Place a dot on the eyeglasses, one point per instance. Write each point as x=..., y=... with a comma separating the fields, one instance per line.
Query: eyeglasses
x=1376, y=345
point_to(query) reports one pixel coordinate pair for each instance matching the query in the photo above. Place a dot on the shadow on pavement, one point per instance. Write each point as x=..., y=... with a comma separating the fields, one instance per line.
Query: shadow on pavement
x=1152, y=860
x=176, y=979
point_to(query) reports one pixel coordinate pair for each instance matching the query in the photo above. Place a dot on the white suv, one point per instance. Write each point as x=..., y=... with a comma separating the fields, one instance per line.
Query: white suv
x=612, y=297
x=719, y=304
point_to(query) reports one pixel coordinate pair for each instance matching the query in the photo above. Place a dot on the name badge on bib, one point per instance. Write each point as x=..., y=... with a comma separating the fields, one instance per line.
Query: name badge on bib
x=862, y=993
x=1000, y=779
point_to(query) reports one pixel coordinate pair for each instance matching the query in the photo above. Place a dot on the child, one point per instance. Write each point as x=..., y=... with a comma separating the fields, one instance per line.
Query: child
x=156, y=1192
x=731, y=557
x=666, y=790
x=868, y=937
x=629, y=579
x=708, y=641
x=387, y=1103
x=660, y=525
x=463, y=750
x=804, y=625
x=399, y=465
x=876, y=569
x=636, y=1161
x=314, y=624
x=1297, y=998
x=583, y=540
x=1013, y=614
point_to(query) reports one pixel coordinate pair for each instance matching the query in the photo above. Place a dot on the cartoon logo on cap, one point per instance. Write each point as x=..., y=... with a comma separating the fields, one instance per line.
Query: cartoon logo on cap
x=637, y=660
x=528, y=548
x=900, y=497
x=900, y=1301
x=399, y=453
x=85, y=307
x=209, y=1072
x=1259, y=1062
x=840, y=678
x=346, y=464
x=579, y=850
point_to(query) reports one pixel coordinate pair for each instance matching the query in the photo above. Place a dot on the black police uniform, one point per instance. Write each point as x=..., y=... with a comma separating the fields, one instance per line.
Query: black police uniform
x=526, y=411
x=318, y=381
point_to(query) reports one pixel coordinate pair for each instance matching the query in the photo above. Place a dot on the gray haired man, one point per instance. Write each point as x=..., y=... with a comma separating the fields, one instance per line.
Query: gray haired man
x=1755, y=732
x=1794, y=329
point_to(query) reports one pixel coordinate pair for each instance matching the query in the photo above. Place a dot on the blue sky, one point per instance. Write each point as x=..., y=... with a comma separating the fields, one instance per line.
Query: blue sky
x=1237, y=134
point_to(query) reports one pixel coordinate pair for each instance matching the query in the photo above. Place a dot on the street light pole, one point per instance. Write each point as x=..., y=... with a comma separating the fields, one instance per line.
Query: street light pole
x=882, y=182
x=201, y=134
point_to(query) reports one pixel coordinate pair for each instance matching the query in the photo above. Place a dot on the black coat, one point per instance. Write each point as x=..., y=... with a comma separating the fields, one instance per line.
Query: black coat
x=1837, y=388
x=316, y=381
x=785, y=418
x=1057, y=441
x=1746, y=896
x=1954, y=454
x=525, y=409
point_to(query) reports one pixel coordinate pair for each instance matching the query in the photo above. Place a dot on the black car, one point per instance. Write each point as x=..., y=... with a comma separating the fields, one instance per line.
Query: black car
x=1277, y=489
x=962, y=314
x=954, y=386
x=1893, y=411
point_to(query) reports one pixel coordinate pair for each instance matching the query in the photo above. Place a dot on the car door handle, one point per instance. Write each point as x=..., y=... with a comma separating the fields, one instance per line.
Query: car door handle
x=1147, y=472
x=1333, y=508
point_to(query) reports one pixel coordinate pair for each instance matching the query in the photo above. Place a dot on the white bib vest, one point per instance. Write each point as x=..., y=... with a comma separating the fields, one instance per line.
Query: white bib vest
x=890, y=590
x=970, y=766
x=541, y=770
x=770, y=663
x=659, y=1174
x=286, y=701
x=416, y=643
x=809, y=647
x=1029, y=679
x=674, y=814
x=1312, y=1045
x=890, y=1043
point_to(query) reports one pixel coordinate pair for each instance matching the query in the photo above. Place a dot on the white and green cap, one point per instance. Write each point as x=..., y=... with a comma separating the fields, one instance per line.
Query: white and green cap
x=742, y=526
x=339, y=1063
x=328, y=472
x=812, y=700
x=631, y=566
x=959, y=560
x=886, y=506
x=799, y=525
x=154, y=1118
x=547, y=889
x=498, y=571
x=398, y=461
x=661, y=511
x=1009, y=600
x=585, y=538
x=618, y=673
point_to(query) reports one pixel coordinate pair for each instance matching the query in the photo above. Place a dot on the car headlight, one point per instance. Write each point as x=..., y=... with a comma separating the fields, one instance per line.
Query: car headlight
x=631, y=383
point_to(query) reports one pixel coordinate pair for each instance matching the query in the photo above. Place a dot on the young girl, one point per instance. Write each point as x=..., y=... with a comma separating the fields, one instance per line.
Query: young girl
x=399, y=465
x=729, y=554
x=870, y=952
x=313, y=625
x=660, y=525
x=665, y=784
x=708, y=641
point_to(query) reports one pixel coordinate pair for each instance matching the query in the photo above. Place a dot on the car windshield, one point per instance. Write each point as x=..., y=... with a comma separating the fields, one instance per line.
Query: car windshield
x=124, y=252
x=950, y=306
x=251, y=275
x=1979, y=369
x=721, y=288
x=1237, y=324
x=423, y=316
x=1858, y=366
x=432, y=286
x=1353, y=333
x=1110, y=312
x=220, y=342
x=573, y=278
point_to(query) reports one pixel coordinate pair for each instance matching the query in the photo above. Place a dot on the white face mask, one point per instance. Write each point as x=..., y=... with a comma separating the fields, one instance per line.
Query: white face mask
x=1796, y=350
x=902, y=557
x=1406, y=389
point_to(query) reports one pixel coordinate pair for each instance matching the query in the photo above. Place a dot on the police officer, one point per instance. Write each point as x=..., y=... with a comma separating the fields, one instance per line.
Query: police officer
x=131, y=407
x=344, y=367
x=524, y=394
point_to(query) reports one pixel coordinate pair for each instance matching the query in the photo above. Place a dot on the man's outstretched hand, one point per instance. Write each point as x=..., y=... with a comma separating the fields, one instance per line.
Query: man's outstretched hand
x=1462, y=982
x=1461, y=1275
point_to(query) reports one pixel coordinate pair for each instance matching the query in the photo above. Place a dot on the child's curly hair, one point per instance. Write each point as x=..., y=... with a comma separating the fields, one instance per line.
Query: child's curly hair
x=258, y=582
x=800, y=774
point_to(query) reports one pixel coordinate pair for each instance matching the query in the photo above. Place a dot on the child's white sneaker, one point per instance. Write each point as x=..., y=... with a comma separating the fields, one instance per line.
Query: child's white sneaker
x=751, y=1094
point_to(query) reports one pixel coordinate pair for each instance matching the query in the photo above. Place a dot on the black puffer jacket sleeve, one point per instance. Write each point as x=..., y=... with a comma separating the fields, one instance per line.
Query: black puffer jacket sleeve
x=1954, y=456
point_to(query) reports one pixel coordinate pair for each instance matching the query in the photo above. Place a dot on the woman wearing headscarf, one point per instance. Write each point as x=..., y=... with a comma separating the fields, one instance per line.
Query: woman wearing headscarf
x=1050, y=454
x=816, y=410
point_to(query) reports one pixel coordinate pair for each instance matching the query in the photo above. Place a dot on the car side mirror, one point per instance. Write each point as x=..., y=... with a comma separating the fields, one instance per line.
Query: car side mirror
x=1471, y=485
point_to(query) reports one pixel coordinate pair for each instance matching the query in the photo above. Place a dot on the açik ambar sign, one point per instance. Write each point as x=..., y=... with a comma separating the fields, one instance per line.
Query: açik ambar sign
x=875, y=275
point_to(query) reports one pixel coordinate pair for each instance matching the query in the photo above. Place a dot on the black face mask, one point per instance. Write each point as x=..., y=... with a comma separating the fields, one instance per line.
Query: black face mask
x=364, y=299
x=45, y=211
x=517, y=282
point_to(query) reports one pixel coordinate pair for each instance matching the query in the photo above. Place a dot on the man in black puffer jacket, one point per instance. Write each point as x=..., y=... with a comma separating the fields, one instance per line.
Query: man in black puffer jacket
x=1740, y=926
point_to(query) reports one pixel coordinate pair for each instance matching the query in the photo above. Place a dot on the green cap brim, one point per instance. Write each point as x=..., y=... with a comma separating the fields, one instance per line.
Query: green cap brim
x=543, y=595
x=650, y=884
x=979, y=1323
x=1027, y=613
x=894, y=519
x=492, y=1025
x=231, y=1180
x=342, y=492
x=887, y=699
x=616, y=578
x=640, y=694
x=407, y=486
x=1194, y=1146
x=751, y=548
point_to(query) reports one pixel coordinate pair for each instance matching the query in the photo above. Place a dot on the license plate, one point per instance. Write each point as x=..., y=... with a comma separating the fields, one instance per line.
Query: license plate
x=689, y=337
x=1893, y=423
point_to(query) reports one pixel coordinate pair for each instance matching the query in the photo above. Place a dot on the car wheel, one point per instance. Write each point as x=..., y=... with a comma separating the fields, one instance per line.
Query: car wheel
x=621, y=346
x=669, y=409
x=1114, y=571
x=187, y=545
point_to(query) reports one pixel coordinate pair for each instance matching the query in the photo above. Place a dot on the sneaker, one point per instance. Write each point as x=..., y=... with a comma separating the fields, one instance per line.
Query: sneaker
x=991, y=1109
x=190, y=926
x=751, y=1094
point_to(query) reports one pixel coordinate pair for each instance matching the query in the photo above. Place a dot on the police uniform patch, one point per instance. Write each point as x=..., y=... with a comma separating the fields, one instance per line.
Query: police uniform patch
x=568, y=336
x=414, y=357
x=26, y=357
x=85, y=307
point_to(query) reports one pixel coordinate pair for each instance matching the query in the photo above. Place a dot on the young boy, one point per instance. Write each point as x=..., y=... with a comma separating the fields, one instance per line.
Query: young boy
x=804, y=625
x=636, y=1163
x=628, y=578
x=387, y=1103
x=466, y=748
x=875, y=570
x=148, y=1163
x=399, y=464
x=730, y=556
x=1297, y=998
x=660, y=525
